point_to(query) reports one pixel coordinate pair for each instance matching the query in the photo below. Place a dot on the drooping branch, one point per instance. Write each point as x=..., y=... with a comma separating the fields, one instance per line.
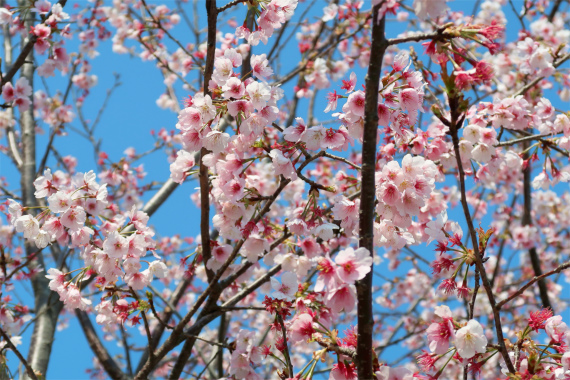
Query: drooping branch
x=364, y=352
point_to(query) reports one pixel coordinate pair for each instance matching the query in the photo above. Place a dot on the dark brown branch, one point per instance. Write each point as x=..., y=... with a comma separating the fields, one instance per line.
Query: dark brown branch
x=230, y=4
x=519, y=292
x=364, y=349
x=437, y=36
x=527, y=221
x=286, y=351
x=554, y=10
x=167, y=314
x=203, y=175
x=454, y=126
x=23, y=360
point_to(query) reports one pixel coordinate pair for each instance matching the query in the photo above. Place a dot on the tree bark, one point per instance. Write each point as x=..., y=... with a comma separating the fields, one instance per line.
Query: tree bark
x=364, y=351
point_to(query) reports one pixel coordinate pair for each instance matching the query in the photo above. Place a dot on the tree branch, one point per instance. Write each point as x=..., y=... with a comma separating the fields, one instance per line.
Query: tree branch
x=23, y=360
x=364, y=351
x=527, y=221
x=97, y=347
x=559, y=269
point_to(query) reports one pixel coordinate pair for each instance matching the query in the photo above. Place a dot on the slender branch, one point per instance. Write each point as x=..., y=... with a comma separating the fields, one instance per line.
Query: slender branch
x=522, y=139
x=516, y=294
x=342, y=159
x=527, y=221
x=454, y=123
x=29, y=370
x=286, y=350
x=230, y=4
x=364, y=351
x=536, y=80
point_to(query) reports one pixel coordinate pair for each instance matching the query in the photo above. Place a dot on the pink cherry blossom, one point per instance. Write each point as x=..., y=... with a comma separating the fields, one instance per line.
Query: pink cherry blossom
x=353, y=265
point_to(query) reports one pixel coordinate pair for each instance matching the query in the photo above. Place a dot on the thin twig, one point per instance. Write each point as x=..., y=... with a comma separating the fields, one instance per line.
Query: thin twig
x=559, y=269
x=23, y=360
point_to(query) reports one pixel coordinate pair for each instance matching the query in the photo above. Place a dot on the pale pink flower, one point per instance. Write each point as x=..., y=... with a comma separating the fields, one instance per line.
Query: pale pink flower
x=410, y=100
x=28, y=225
x=5, y=16
x=72, y=298
x=223, y=70
x=349, y=85
x=180, y=167
x=431, y=8
x=556, y=329
x=330, y=12
x=56, y=277
x=389, y=193
x=439, y=335
x=8, y=91
x=566, y=361
x=42, y=7
x=287, y=288
x=220, y=254
x=282, y=165
x=259, y=94
x=137, y=280
x=401, y=60
x=43, y=185
x=116, y=246
x=327, y=276
x=470, y=340
x=74, y=218
x=59, y=202
x=157, y=269
x=254, y=124
x=434, y=228
x=394, y=373
x=353, y=265
x=295, y=133
x=233, y=88
x=301, y=328
x=355, y=103
x=343, y=297
x=254, y=247
x=189, y=118
x=314, y=137
x=260, y=67
x=216, y=141
x=325, y=231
